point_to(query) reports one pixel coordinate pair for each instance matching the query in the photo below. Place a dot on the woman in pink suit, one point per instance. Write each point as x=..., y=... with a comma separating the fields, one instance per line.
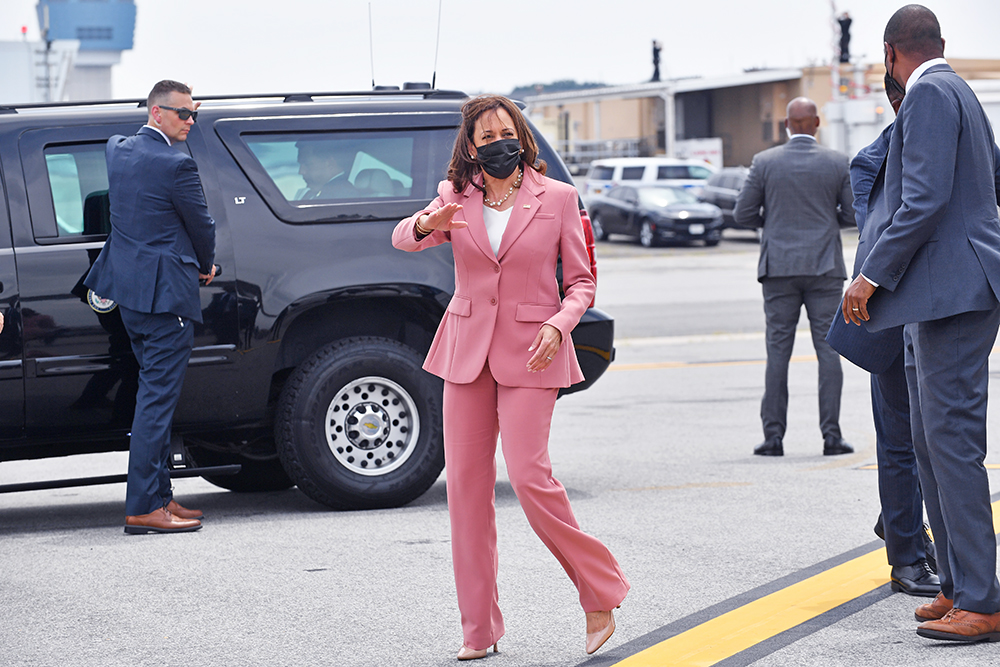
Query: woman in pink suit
x=504, y=350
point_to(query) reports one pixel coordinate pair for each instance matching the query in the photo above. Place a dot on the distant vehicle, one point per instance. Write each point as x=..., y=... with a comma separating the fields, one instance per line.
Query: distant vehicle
x=653, y=213
x=604, y=174
x=722, y=189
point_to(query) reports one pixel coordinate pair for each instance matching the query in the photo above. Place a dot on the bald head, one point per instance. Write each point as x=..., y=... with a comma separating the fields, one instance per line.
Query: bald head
x=802, y=116
x=915, y=31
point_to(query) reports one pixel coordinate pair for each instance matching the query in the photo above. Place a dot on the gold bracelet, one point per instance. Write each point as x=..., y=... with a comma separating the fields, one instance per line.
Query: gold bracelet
x=420, y=230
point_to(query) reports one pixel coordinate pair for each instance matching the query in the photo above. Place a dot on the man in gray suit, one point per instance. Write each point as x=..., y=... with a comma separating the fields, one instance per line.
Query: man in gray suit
x=800, y=194
x=932, y=263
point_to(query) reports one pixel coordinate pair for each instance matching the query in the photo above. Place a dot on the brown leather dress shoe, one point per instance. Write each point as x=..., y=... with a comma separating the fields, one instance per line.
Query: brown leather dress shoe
x=176, y=509
x=933, y=610
x=160, y=521
x=959, y=625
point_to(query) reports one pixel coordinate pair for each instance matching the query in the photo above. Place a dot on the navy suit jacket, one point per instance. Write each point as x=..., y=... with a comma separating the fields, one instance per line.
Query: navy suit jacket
x=162, y=236
x=873, y=351
x=935, y=251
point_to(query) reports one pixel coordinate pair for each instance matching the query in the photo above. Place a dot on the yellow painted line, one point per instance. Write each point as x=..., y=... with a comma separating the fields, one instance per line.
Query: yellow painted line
x=736, y=631
x=699, y=364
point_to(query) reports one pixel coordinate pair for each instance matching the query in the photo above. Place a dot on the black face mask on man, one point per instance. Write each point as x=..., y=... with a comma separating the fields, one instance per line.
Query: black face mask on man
x=500, y=158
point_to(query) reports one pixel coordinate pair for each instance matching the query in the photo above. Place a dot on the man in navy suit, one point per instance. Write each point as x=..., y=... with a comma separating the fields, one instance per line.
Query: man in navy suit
x=162, y=242
x=901, y=522
x=932, y=263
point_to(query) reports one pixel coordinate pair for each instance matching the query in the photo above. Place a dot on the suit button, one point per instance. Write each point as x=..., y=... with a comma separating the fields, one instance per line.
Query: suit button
x=496, y=269
x=493, y=301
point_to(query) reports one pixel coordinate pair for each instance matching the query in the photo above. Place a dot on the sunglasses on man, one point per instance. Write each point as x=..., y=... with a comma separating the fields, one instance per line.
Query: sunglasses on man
x=182, y=113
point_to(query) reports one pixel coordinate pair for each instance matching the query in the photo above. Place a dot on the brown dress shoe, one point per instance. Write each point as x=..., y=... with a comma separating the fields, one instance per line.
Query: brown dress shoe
x=959, y=625
x=160, y=521
x=933, y=610
x=176, y=509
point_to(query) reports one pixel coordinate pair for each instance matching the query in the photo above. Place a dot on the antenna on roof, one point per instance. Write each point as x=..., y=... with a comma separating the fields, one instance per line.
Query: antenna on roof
x=371, y=48
x=437, y=47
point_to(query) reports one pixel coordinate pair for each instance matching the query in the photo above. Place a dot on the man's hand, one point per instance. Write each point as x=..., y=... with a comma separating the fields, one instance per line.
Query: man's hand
x=208, y=277
x=855, y=305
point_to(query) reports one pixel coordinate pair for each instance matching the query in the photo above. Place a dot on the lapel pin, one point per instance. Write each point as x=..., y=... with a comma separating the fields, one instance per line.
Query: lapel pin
x=527, y=206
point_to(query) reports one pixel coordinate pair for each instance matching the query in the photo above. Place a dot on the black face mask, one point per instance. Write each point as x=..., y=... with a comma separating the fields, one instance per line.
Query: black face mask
x=500, y=158
x=892, y=89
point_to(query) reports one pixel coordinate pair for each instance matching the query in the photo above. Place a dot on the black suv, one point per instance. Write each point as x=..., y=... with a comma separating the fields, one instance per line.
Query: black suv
x=722, y=189
x=307, y=369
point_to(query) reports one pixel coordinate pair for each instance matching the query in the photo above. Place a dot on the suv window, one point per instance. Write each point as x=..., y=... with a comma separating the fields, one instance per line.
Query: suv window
x=602, y=173
x=632, y=173
x=344, y=166
x=78, y=181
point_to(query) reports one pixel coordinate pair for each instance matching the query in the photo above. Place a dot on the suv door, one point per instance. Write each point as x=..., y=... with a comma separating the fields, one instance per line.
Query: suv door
x=11, y=368
x=80, y=374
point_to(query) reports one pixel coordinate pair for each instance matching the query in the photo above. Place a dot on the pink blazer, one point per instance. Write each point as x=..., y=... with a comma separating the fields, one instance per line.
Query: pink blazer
x=502, y=300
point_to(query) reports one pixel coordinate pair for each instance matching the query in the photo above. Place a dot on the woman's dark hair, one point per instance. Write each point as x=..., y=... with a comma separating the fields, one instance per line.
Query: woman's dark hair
x=463, y=166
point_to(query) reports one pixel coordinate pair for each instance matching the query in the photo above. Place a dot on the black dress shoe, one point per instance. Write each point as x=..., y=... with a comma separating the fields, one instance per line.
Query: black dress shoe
x=769, y=448
x=835, y=446
x=916, y=579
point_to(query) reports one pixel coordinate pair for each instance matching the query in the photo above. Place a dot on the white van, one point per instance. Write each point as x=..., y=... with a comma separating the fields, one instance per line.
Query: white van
x=603, y=174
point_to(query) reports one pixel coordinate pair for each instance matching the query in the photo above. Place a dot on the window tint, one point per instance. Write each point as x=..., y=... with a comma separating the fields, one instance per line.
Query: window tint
x=601, y=173
x=699, y=172
x=672, y=172
x=78, y=181
x=632, y=173
x=345, y=166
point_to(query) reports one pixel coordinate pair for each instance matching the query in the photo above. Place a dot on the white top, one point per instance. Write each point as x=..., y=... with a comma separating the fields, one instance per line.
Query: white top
x=496, y=223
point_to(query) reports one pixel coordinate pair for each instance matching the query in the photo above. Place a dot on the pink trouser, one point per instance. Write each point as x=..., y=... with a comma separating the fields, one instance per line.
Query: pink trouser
x=474, y=414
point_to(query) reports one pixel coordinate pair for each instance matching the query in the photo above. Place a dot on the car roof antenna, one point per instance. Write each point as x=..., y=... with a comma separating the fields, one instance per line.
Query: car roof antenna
x=371, y=48
x=437, y=47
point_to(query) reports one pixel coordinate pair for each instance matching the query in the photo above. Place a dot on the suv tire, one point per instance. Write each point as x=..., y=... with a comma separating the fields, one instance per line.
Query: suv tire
x=358, y=425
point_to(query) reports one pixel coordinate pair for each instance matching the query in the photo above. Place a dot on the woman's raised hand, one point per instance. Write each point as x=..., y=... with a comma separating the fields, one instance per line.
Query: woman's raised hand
x=442, y=219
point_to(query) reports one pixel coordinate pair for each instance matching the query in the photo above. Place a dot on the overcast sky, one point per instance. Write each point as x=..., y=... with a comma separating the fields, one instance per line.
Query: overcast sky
x=260, y=46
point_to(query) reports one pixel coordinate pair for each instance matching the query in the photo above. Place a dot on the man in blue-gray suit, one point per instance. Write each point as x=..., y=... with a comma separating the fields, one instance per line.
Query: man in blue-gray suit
x=800, y=195
x=932, y=263
x=908, y=548
x=162, y=242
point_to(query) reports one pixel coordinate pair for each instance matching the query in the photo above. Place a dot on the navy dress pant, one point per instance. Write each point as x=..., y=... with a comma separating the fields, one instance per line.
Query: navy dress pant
x=898, y=482
x=947, y=370
x=162, y=345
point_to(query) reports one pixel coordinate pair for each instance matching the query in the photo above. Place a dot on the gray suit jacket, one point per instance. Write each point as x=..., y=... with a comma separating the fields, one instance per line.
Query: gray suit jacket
x=935, y=248
x=805, y=192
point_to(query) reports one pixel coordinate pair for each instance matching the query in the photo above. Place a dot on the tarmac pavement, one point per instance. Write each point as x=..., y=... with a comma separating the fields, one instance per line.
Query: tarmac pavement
x=656, y=457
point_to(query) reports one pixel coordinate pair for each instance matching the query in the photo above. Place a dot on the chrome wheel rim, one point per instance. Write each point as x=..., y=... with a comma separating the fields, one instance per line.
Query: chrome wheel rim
x=372, y=426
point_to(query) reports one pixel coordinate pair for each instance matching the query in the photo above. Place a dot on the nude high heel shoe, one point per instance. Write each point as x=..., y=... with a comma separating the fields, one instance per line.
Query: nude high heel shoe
x=595, y=640
x=466, y=653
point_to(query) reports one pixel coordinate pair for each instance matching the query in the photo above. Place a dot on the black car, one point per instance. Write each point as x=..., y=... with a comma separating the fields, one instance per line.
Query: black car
x=653, y=214
x=307, y=369
x=722, y=188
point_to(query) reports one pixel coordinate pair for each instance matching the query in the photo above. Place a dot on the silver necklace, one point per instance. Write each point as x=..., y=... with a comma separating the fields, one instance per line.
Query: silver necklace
x=496, y=204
